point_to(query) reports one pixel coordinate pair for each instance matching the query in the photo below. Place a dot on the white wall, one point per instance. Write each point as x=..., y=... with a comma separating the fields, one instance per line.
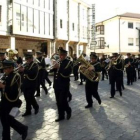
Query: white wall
x=33, y=19
x=62, y=15
x=3, y=23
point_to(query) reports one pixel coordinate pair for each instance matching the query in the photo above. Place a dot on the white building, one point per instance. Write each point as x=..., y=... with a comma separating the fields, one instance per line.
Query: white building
x=71, y=25
x=44, y=24
x=118, y=34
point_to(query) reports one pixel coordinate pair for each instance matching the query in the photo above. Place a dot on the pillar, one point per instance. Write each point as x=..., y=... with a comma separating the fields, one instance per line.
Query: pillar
x=12, y=43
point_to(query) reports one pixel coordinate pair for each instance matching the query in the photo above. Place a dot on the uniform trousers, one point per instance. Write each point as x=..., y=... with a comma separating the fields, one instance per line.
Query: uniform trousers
x=91, y=89
x=118, y=80
x=30, y=99
x=61, y=100
x=9, y=121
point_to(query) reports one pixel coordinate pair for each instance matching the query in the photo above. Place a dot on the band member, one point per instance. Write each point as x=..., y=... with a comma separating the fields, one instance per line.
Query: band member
x=61, y=85
x=2, y=58
x=29, y=84
x=116, y=73
x=75, y=67
x=91, y=88
x=10, y=99
x=138, y=65
x=129, y=69
x=103, y=65
x=42, y=73
x=134, y=66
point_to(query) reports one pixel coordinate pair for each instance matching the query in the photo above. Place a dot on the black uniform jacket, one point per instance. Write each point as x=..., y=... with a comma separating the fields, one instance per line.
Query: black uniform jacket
x=62, y=75
x=97, y=69
x=116, y=69
x=11, y=91
x=30, y=76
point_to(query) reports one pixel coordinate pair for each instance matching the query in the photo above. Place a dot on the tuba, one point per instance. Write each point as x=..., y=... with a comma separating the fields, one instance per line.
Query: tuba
x=11, y=54
x=91, y=75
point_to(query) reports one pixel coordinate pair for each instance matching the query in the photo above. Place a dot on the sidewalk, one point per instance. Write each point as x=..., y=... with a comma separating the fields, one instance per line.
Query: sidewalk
x=114, y=119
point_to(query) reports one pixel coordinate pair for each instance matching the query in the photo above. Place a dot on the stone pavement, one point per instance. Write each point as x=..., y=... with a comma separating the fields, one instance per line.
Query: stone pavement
x=114, y=119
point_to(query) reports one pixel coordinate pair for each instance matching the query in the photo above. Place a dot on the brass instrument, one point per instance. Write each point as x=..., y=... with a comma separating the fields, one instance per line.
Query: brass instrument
x=91, y=75
x=55, y=59
x=11, y=54
x=115, y=62
x=23, y=65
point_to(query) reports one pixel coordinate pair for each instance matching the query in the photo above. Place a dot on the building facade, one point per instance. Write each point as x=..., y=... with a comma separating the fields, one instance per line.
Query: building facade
x=118, y=34
x=71, y=25
x=44, y=25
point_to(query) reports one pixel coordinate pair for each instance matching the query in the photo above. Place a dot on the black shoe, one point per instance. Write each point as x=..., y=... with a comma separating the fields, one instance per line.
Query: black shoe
x=59, y=119
x=70, y=98
x=88, y=106
x=69, y=115
x=26, y=114
x=37, y=95
x=81, y=84
x=25, y=133
x=99, y=101
x=36, y=110
x=50, y=84
x=120, y=93
x=111, y=97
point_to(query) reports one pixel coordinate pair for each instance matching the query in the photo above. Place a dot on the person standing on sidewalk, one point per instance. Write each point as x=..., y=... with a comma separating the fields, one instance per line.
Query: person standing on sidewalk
x=61, y=85
x=10, y=99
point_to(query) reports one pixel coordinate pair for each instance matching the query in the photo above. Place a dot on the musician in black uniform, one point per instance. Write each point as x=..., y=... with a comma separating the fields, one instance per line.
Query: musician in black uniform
x=42, y=71
x=138, y=65
x=134, y=66
x=75, y=68
x=116, y=73
x=29, y=84
x=61, y=85
x=10, y=99
x=103, y=65
x=2, y=58
x=129, y=69
x=91, y=87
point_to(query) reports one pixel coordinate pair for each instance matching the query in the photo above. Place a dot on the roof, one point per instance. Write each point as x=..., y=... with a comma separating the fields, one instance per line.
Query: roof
x=130, y=15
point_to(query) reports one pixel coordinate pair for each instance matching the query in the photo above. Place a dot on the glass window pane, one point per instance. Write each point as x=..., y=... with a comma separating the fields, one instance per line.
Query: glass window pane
x=30, y=20
x=36, y=2
x=36, y=21
x=47, y=24
x=23, y=18
x=17, y=15
x=30, y=1
x=41, y=22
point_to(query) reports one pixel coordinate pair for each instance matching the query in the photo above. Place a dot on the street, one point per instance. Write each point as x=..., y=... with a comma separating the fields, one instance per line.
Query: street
x=114, y=119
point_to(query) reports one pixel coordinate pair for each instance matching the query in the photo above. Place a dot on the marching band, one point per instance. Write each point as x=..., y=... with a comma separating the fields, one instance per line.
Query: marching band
x=27, y=78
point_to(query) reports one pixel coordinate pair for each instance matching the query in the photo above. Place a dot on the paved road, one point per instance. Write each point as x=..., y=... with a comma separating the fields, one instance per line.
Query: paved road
x=114, y=119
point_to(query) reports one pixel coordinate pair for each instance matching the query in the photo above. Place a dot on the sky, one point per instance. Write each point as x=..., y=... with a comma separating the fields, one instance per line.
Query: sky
x=108, y=8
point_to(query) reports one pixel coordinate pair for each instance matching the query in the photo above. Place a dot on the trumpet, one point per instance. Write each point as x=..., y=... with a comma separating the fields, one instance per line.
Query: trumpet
x=56, y=62
x=23, y=65
x=3, y=78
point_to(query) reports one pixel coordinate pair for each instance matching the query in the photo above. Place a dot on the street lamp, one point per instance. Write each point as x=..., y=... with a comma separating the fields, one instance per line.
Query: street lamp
x=139, y=38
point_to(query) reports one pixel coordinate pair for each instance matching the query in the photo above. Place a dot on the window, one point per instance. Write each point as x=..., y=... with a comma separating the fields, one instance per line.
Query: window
x=61, y=25
x=73, y=26
x=100, y=29
x=100, y=42
x=18, y=16
x=130, y=25
x=36, y=21
x=30, y=20
x=130, y=41
x=137, y=42
x=24, y=18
